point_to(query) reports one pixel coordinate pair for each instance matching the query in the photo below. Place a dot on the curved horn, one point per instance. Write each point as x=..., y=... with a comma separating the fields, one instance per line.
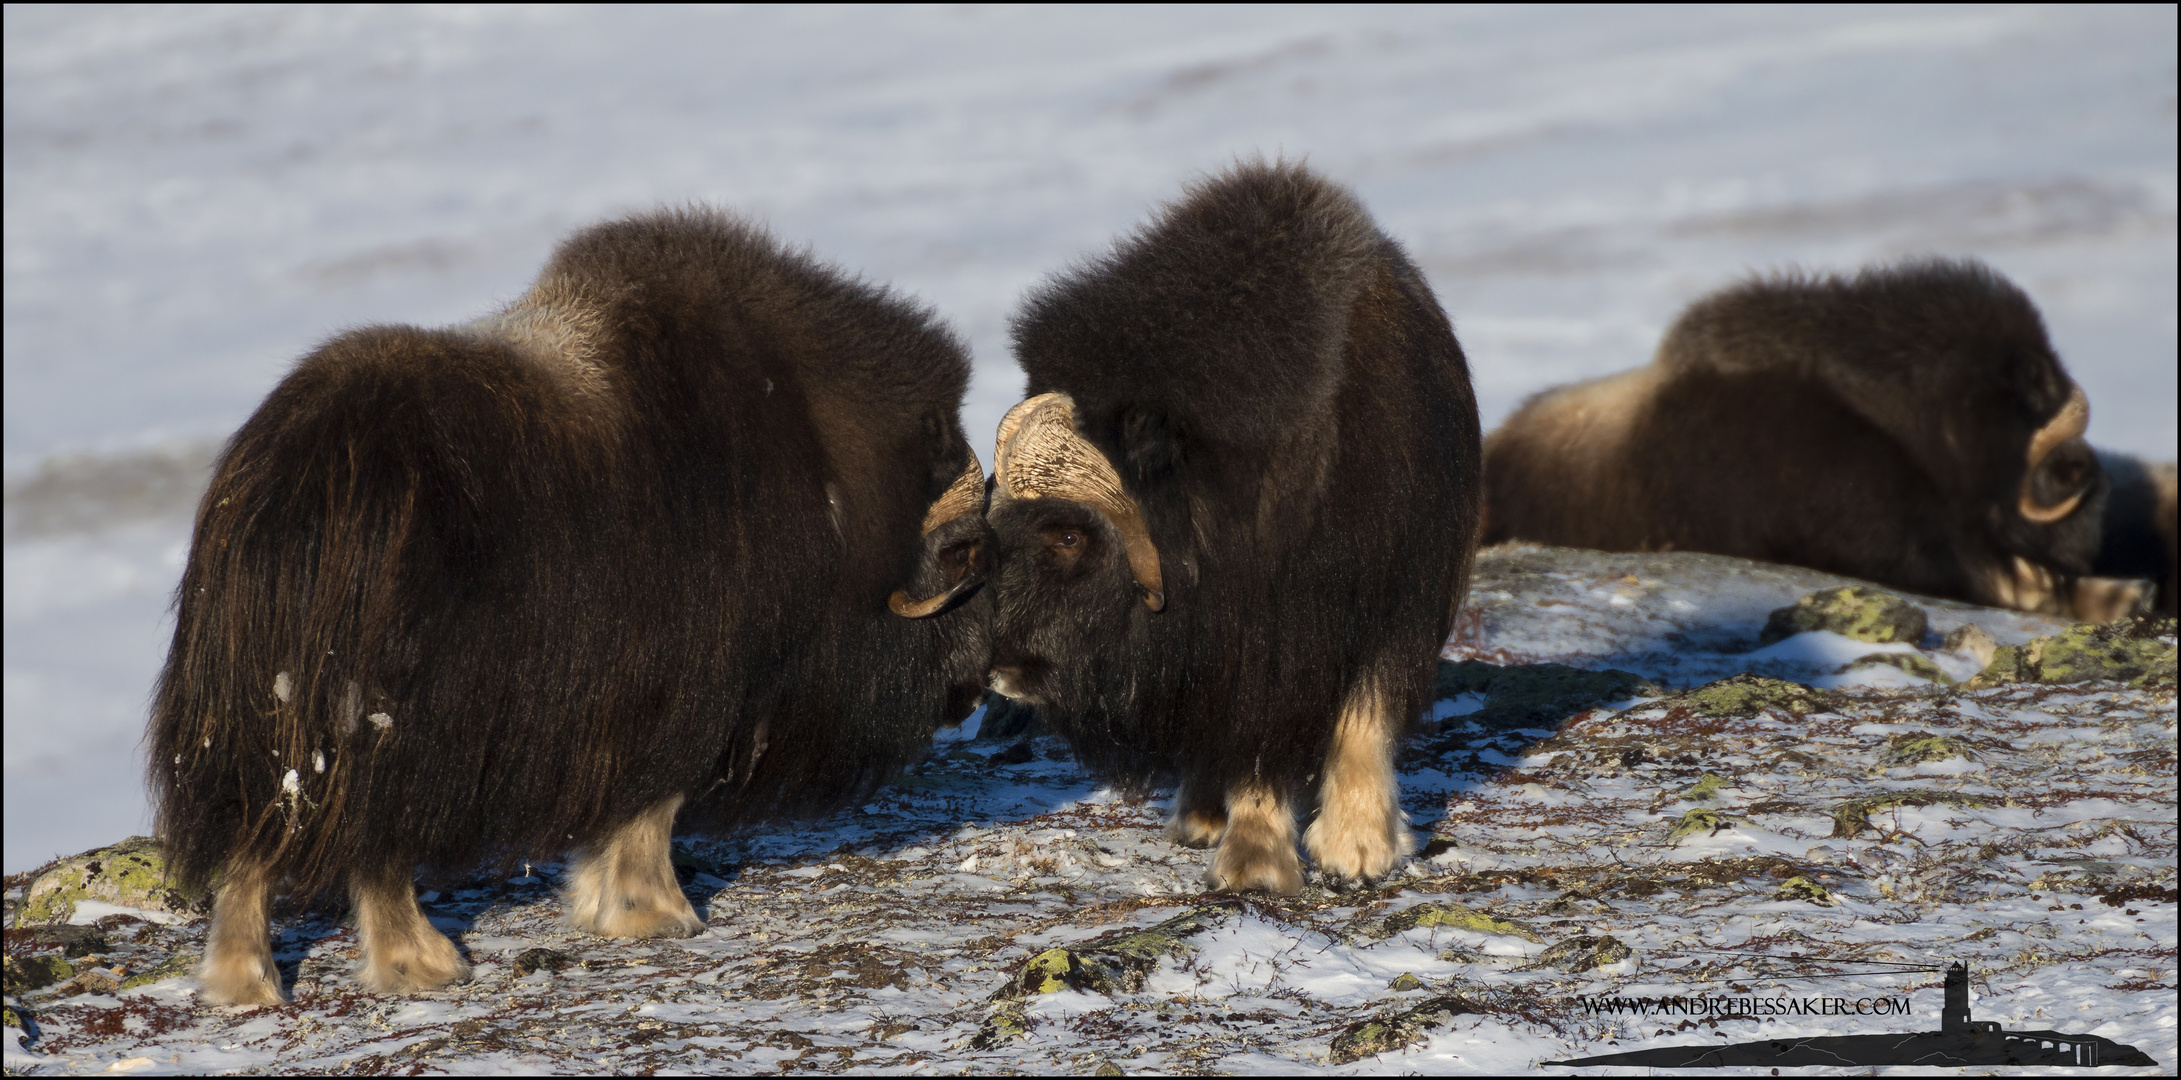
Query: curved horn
x=2072, y=420
x=1041, y=454
x=902, y=604
x=963, y=497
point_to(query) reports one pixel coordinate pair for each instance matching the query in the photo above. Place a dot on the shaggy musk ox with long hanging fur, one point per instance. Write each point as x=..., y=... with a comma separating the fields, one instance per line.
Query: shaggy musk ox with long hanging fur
x=1910, y=425
x=1235, y=517
x=536, y=582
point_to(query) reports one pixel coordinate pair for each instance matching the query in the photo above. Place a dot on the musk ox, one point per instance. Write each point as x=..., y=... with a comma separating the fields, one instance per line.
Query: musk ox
x=1909, y=425
x=539, y=582
x=1235, y=516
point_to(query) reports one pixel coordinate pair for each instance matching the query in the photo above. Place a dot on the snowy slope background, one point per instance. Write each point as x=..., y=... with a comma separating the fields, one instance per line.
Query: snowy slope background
x=194, y=197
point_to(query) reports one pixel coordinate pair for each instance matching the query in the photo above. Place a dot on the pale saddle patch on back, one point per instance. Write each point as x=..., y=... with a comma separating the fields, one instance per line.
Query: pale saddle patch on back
x=557, y=329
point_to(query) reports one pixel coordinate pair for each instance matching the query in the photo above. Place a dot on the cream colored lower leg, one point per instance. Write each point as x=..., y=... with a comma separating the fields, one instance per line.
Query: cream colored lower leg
x=1360, y=833
x=403, y=953
x=238, y=953
x=625, y=886
x=1199, y=821
x=1257, y=853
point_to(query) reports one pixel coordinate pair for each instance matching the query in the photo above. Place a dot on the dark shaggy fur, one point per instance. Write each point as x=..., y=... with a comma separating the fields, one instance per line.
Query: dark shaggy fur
x=1873, y=426
x=1277, y=388
x=2140, y=524
x=521, y=581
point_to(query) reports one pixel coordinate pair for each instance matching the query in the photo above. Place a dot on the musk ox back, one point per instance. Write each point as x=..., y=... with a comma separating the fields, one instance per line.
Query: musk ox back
x=1910, y=425
x=536, y=582
x=1235, y=517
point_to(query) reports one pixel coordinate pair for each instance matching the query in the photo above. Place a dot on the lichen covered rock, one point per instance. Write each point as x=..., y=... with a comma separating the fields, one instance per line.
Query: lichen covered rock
x=1744, y=696
x=1852, y=611
x=2138, y=652
x=1580, y=954
x=1116, y=963
x=1911, y=748
x=1457, y=917
x=132, y=873
x=1406, y=1028
x=1916, y=664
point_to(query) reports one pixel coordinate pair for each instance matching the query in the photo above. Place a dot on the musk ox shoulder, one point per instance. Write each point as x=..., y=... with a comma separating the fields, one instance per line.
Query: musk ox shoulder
x=1235, y=516
x=621, y=552
x=1910, y=425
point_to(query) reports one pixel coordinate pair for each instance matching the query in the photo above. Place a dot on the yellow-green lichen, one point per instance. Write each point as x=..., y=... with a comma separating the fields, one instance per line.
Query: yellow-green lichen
x=1916, y=747
x=2131, y=652
x=1747, y=695
x=1706, y=788
x=1580, y=954
x=1457, y=917
x=1802, y=888
x=1698, y=822
x=1405, y=982
x=175, y=966
x=132, y=873
x=1381, y=1035
x=1853, y=611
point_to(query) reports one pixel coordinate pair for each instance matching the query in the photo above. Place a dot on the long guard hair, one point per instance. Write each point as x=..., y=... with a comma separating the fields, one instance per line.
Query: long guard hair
x=1278, y=391
x=497, y=590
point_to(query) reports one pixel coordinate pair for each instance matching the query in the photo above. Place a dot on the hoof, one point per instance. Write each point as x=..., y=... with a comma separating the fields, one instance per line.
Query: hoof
x=249, y=982
x=1197, y=829
x=431, y=964
x=1255, y=868
x=646, y=922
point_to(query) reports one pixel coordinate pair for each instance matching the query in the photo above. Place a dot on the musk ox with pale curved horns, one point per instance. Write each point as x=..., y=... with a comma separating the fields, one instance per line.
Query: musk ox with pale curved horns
x=621, y=552
x=1910, y=425
x=1235, y=516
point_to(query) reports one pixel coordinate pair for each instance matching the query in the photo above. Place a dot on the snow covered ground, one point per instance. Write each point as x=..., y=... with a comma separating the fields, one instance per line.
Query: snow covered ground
x=1790, y=844
x=194, y=196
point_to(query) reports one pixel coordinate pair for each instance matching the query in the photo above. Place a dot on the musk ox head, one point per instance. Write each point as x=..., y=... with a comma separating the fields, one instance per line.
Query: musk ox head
x=1076, y=569
x=944, y=588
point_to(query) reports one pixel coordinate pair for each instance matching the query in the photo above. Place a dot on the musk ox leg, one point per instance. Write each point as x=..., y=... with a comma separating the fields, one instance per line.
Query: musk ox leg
x=238, y=953
x=1360, y=833
x=625, y=886
x=1198, y=821
x=403, y=954
x=1257, y=854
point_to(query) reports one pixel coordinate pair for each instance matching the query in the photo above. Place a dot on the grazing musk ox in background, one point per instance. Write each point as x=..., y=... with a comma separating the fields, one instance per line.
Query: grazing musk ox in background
x=1910, y=425
x=1235, y=517
x=534, y=583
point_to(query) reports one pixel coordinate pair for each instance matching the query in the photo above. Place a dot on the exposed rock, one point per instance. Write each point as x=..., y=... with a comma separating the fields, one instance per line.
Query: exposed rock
x=1916, y=664
x=2130, y=652
x=94, y=981
x=132, y=873
x=1744, y=696
x=1580, y=954
x=1971, y=640
x=1699, y=823
x=1852, y=611
x=1457, y=917
x=1116, y=963
x=1854, y=816
x=1405, y=982
x=179, y=964
x=1381, y=1035
x=1706, y=788
x=531, y=961
x=35, y=972
x=1916, y=747
x=1802, y=888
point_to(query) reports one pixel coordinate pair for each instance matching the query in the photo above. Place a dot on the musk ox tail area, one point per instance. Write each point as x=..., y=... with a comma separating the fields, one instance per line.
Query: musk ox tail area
x=366, y=530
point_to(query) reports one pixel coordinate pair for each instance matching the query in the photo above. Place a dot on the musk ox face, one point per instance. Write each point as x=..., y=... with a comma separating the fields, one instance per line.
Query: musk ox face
x=1063, y=590
x=1073, y=555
